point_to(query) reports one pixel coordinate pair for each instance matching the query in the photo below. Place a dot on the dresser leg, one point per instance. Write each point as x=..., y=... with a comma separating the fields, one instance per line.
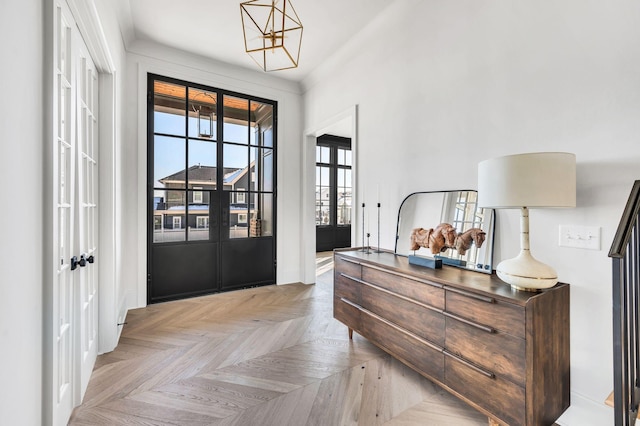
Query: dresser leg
x=493, y=422
x=351, y=334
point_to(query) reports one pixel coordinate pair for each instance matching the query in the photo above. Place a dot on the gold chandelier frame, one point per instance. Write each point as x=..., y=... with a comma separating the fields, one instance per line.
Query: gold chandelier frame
x=272, y=33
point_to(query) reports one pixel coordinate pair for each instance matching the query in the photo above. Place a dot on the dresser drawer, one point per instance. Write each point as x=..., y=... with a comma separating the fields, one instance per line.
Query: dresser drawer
x=505, y=400
x=346, y=287
x=487, y=311
x=347, y=266
x=505, y=353
x=430, y=294
x=418, y=353
x=501, y=353
x=347, y=313
x=420, y=319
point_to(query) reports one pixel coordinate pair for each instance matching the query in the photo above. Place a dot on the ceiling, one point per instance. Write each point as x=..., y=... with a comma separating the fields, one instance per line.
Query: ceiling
x=213, y=28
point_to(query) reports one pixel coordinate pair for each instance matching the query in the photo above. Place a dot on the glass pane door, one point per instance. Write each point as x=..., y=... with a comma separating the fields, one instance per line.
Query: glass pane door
x=333, y=192
x=212, y=174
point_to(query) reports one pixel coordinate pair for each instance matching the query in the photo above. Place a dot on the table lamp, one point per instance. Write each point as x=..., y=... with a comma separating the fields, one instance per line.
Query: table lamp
x=524, y=181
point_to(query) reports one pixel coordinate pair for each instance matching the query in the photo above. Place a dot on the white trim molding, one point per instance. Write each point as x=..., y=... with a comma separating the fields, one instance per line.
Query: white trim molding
x=88, y=21
x=585, y=411
x=308, y=225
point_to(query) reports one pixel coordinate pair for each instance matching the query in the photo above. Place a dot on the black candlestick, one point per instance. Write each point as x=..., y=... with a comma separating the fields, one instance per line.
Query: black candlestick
x=368, y=235
x=363, y=249
x=378, y=251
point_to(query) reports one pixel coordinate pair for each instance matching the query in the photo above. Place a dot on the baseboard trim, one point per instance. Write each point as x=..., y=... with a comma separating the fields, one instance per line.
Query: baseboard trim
x=585, y=411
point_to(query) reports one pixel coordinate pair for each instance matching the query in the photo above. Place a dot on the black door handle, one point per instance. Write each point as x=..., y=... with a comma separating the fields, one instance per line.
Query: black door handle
x=83, y=261
x=74, y=263
x=90, y=259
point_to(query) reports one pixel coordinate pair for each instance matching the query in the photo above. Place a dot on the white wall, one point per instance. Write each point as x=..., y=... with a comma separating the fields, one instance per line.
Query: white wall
x=113, y=305
x=443, y=84
x=21, y=136
x=145, y=57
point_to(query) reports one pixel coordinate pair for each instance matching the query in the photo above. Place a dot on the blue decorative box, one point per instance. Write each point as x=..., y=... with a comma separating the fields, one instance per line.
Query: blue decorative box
x=425, y=261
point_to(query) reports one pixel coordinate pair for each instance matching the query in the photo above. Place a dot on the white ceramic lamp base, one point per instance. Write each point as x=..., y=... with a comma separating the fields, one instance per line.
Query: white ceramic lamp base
x=524, y=272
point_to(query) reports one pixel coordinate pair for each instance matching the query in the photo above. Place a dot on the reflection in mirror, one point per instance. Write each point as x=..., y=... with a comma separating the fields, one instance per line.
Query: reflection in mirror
x=458, y=208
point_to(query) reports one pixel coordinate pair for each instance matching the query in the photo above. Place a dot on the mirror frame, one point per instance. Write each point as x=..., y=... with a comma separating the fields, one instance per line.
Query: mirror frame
x=484, y=268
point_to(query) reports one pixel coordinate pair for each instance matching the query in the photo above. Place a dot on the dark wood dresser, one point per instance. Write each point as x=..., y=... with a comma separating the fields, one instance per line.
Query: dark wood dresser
x=504, y=352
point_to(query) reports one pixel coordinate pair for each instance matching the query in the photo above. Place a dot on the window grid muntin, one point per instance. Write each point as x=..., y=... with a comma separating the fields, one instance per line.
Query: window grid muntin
x=254, y=138
x=328, y=171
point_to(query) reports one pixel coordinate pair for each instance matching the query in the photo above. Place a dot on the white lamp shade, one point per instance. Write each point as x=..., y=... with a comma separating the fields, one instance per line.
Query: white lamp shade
x=541, y=179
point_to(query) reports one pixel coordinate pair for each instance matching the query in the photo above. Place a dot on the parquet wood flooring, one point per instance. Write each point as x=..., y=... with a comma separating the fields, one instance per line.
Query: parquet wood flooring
x=264, y=356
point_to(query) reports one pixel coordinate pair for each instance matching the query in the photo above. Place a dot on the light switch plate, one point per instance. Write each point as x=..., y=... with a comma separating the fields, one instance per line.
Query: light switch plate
x=585, y=237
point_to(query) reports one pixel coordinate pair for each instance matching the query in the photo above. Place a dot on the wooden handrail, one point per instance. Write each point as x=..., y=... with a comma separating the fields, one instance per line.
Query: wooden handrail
x=629, y=216
x=625, y=259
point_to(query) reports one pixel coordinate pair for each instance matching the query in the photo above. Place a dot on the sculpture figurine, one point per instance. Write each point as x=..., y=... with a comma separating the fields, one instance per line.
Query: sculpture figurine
x=465, y=239
x=444, y=237
x=438, y=239
x=420, y=238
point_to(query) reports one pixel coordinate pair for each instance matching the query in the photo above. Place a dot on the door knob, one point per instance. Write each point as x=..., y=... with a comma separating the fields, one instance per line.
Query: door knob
x=83, y=261
x=91, y=259
x=74, y=263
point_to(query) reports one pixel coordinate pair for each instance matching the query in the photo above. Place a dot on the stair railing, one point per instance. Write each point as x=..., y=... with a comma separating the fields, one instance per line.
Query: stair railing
x=625, y=254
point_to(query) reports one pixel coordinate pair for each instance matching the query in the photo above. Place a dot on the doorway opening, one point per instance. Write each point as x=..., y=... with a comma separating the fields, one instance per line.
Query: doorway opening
x=211, y=190
x=334, y=192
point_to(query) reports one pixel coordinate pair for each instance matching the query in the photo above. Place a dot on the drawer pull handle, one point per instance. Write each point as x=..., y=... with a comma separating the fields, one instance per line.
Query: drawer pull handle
x=409, y=277
x=349, y=261
x=350, y=303
x=470, y=365
x=471, y=323
x=399, y=296
x=471, y=295
x=349, y=277
x=402, y=330
x=392, y=325
x=358, y=280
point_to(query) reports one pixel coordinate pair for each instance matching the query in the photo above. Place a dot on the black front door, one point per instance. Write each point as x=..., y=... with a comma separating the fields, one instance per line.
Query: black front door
x=333, y=192
x=211, y=190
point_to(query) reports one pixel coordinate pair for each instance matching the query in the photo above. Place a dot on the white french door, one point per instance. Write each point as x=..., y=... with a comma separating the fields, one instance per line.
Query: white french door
x=74, y=311
x=64, y=198
x=86, y=215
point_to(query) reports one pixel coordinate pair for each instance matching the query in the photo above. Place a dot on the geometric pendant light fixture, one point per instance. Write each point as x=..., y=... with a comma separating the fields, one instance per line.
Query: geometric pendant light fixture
x=272, y=33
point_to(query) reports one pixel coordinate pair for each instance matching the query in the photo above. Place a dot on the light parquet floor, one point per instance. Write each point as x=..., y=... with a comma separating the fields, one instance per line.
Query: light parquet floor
x=265, y=356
